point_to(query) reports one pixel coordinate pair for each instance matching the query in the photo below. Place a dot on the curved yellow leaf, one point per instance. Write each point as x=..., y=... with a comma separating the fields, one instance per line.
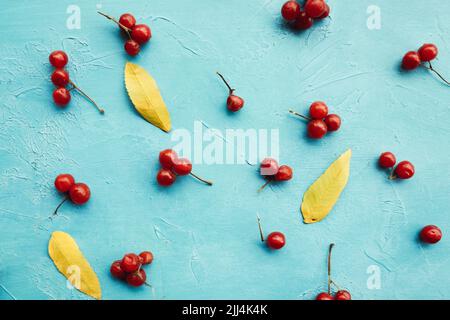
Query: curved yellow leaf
x=145, y=96
x=69, y=260
x=323, y=194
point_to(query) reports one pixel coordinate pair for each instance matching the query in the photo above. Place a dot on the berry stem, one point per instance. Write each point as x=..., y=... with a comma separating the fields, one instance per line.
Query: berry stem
x=127, y=30
x=226, y=83
x=300, y=115
x=209, y=183
x=264, y=185
x=260, y=228
x=329, y=268
x=55, y=213
x=437, y=73
x=392, y=175
x=87, y=97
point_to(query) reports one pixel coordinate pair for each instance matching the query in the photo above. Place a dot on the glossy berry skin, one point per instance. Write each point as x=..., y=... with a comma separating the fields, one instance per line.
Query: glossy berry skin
x=146, y=257
x=79, y=193
x=324, y=296
x=315, y=8
x=269, y=167
x=132, y=47
x=136, y=279
x=116, y=270
x=127, y=20
x=431, y=234
x=64, y=182
x=130, y=263
x=428, y=52
x=141, y=33
x=234, y=103
x=387, y=160
x=333, y=122
x=404, y=170
x=167, y=158
x=411, y=60
x=276, y=240
x=303, y=22
x=284, y=173
x=60, y=78
x=343, y=295
x=290, y=10
x=317, y=129
x=318, y=110
x=61, y=96
x=165, y=177
x=182, y=167
x=326, y=13
x=58, y=59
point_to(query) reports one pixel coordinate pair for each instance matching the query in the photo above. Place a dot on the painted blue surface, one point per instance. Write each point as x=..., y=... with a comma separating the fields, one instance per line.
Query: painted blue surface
x=205, y=239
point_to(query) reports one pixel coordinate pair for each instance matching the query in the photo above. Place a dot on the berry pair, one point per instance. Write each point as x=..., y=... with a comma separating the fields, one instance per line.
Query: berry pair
x=304, y=19
x=403, y=170
x=271, y=171
x=426, y=53
x=234, y=102
x=130, y=268
x=173, y=166
x=60, y=78
x=138, y=34
x=319, y=121
x=275, y=240
x=78, y=193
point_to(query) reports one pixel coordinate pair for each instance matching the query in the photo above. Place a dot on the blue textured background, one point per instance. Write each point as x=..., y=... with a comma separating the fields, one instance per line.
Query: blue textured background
x=205, y=239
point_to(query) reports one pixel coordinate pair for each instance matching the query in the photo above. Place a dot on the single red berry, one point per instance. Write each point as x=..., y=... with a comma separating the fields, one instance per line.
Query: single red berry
x=137, y=279
x=318, y=110
x=64, y=182
x=284, y=173
x=130, y=263
x=303, y=22
x=61, y=96
x=146, y=257
x=141, y=33
x=333, y=122
x=132, y=47
x=431, y=234
x=324, y=296
x=79, y=193
x=269, y=167
x=315, y=8
x=404, y=170
x=182, y=167
x=290, y=10
x=58, y=59
x=234, y=103
x=326, y=13
x=342, y=295
x=411, y=60
x=167, y=158
x=317, y=129
x=276, y=240
x=428, y=52
x=127, y=20
x=387, y=160
x=116, y=270
x=60, y=78
x=165, y=177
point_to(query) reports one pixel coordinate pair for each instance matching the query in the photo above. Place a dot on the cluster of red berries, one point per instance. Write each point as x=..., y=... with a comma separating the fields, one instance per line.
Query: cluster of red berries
x=234, y=102
x=60, y=78
x=130, y=268
x=275, y=240
x=79, y=193
x=304, y=19
x=271, y=171
x=403, y=170
x=138, y=34
x=172, y=166
x=319, y=121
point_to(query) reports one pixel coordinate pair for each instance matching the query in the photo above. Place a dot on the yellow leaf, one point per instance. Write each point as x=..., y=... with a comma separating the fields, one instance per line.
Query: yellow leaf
x=323, y=194
x=69, y=260
x=145, y=96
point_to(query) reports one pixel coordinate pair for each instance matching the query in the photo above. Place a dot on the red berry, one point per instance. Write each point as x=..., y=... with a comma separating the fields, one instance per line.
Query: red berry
x=333, y=122
x=132, y=47
x=141, y=33
x=317, y=129
x=64, y=182
x=269, y=167
x=303, y=22
x=326, y=13
x=324, y=296
x=146, y=257
x=234, y=103
x=165, y=177
x=116, y=270
x=61, y=96
x=167, y=158
x=428, y=52
x=431, y=234
x=58, y=59
x=411, y=60
x=60, y=78
x=387, y=160
x=290, y=10
x=404, y=170
x=342, y=295
x=136, y=279
x=318, y=110
x=315, y=8
x=79, y=193
x=130, y=263
x=182, y=167
x=284, y=173
x=276, y=240
x=127, y=20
